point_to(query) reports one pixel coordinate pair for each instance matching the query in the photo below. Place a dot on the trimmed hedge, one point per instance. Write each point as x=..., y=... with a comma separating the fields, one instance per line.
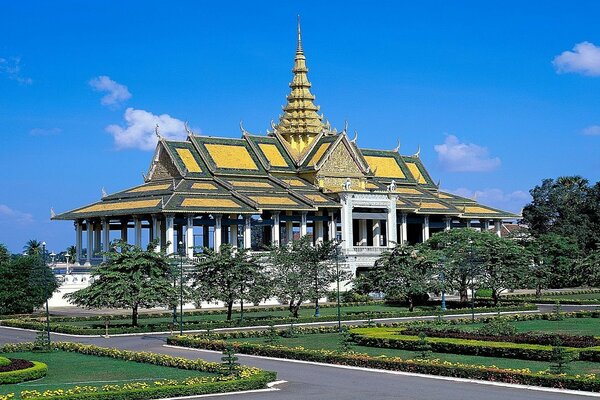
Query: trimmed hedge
x=4, y=361
x=555, y=293
x=431, y=367
x=202, y=325
x=248, y=378
x=37, y=371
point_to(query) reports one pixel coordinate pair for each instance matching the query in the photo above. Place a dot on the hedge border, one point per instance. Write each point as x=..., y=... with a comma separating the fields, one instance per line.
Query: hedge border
x=257, y=378
x=430, y=367
x=77, y=330
x=37, y=371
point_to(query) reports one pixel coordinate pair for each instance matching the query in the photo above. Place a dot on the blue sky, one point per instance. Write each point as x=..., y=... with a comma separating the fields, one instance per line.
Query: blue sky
x=499, y=95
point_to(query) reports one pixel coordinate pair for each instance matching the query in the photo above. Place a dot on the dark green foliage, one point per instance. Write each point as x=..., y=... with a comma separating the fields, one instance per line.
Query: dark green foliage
x=42, y=344
x=346, y=341
x=423, y=347
x=33, y=247
x=273, y=335
x=557, y=312
x=498, y=327
x=37, y=371
x=131, y=278
x=590, y=268
x=25, y=283
x=229, y=364
x=559, y=358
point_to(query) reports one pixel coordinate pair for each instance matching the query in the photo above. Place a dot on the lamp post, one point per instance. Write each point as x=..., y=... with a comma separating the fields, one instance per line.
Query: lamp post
x=67, y=256
x=337, y=271
x=443, y=280
x=471, y=269
x=181, y=253
x=47, y=295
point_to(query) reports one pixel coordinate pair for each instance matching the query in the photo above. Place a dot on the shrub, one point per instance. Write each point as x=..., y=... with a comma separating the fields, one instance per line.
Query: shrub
x=4, y=361
x=36, y=371
x=498, y=327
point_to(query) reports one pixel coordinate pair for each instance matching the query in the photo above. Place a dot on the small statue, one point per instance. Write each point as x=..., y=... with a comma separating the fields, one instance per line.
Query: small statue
x=346, y=185
x=392, y=186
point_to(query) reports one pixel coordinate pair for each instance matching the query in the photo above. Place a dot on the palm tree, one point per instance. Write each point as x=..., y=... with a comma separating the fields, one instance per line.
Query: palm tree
x=72, y=253
x=33, y=247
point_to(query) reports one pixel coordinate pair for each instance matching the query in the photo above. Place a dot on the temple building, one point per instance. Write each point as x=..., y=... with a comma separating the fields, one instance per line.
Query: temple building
x=302, y=178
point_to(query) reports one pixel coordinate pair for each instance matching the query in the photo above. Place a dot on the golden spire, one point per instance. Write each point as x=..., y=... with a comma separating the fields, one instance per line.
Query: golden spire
x=300, y=123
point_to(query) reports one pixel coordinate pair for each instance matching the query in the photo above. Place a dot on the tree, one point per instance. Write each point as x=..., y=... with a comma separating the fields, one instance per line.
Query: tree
x=72, y=253
x=229, y=275
x=567, y=206
x=459, y=252
x=131, y=278
x=33, y=247
x=301, y=271
x=405, y=272
x=554, y=261
x=25, y=283
x=590, y=268
x=503, y=265
x=4, y=254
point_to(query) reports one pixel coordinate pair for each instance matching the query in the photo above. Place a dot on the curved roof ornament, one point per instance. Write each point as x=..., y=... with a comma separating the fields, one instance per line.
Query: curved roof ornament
x=157, y=132
x=104, y=193
x=355, y=137
x=187, y=129
x=418, y=153
x=244, y=132
x=397, y=148
x=52, y=213
x=345, y=130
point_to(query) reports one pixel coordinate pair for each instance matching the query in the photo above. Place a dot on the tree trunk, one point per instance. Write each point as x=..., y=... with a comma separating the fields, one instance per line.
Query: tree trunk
x=411, y=303
x=296, y=309
x=495, y=297
x=538, y=291
x=241, y=310
x=229, y=309
x=134, y=316
x=464, y=297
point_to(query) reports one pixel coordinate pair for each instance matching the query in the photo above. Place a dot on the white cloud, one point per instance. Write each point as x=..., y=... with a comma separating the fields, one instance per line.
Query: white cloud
x=116, y=93
x=11, y=67
x=9, y=215
x=45, y=131
x=593, y=130
x=455, y=156
x=139, y=130
x=584, y=59
x=508, y=201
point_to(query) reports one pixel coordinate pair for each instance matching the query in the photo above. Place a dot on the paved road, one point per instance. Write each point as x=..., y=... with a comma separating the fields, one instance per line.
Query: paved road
x=308, y=381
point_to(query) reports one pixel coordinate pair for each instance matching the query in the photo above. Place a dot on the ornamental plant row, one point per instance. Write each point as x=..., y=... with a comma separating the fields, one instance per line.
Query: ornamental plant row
x=431, y=367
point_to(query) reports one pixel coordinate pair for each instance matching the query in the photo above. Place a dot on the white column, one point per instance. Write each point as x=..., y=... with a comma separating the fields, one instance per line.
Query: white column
x=403, y=228
x=138, y=231
x=468, y=223
x=275, y=230
x=233, y=231
x=362, y=232
x=78, y=240
x=156, y=232
x=392, y=228
x=217, y=232
x=97, y=238
x=319, y=228
x=105, y=237
x=448, y=221
x=90, y=242
x=248, y=232
x=376, y=233
x=124, y=224
x=426, y=228
x=498, y=227
x=189, y=237
x=485, y=225
x=303, y=229
x=331, y=224
x=346, y=220
x=289, y=228
x=170, y=233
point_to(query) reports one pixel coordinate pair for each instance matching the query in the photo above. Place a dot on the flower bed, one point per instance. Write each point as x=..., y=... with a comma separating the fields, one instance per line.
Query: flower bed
x=22, y=370
x=432, y=367
x=246, y=378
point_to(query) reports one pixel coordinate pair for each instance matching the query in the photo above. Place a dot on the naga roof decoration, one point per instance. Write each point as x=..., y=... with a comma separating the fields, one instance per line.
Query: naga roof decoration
x=301, y=165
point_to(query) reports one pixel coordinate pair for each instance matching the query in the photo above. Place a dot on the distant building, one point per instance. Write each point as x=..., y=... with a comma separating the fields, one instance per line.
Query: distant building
x=303, y=178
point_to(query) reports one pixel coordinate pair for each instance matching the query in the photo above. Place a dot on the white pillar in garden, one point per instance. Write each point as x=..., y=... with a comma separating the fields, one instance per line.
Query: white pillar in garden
x=248, y=232
x=217, y=232
x=170, y=233
x=275, y=230
x=189, y=237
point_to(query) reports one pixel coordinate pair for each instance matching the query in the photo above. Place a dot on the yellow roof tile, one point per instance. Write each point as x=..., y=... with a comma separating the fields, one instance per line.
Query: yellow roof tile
x=294, y=182
x=124, y=205
x=317, y=198
x=405, y=190
x=204, y=185
x=273, y=155
x=274, y=200
x=385, y=167
x=214, y=202
x=230, y=156
x=415, y=172
x=478, y=210
x=149, y=188
x=433, y=205
x=319, y=153
x=251, y=184
x=188, y=160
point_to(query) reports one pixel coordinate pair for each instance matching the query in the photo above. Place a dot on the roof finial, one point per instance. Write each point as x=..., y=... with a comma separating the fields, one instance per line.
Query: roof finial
x=187, y=128
x=157, y=133
x=52, y=213
x=104, y=193
x=397, y=148
x=355, y=136
x=244, y=132
x=299, y=48
x=418, y=152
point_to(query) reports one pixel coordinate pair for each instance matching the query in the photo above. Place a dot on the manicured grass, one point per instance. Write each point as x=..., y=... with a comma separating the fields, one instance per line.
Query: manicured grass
x=578, y=296
x=569, y=326
x=331, y=341
x=66, y=370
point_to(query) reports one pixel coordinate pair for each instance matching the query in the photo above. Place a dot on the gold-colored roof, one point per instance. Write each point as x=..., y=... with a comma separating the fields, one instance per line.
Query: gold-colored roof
x=230, y=156
x=188, y=160
x=256, y=184
x=273, y=200
x=317, y=198
x=209, y=202
x=150, y=188
x=385, y=167
x=432, y=205
x=318, y=154
x=407, y=190
x=203, y=186
x=124, y=205
x=415, y=172
x=294, y=182
x=478, y=210
x=273, y=155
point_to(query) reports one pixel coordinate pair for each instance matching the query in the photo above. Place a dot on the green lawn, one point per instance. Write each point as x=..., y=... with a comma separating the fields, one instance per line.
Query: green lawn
x=255, y=315
x=578, y=296
x=569, y=326
x=66, y=370
x=331, y=341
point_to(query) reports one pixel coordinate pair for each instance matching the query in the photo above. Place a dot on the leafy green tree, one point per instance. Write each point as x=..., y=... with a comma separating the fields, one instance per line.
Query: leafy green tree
x=72, y=253
x=555, y=261
x=131, y=278
x=590, y=268
x=459, y=252
x=405, y=272
x=230, y=275
x=25, y=283
x=33, y=247
x=302, y=272
x=4, y=254
x=567, y=206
